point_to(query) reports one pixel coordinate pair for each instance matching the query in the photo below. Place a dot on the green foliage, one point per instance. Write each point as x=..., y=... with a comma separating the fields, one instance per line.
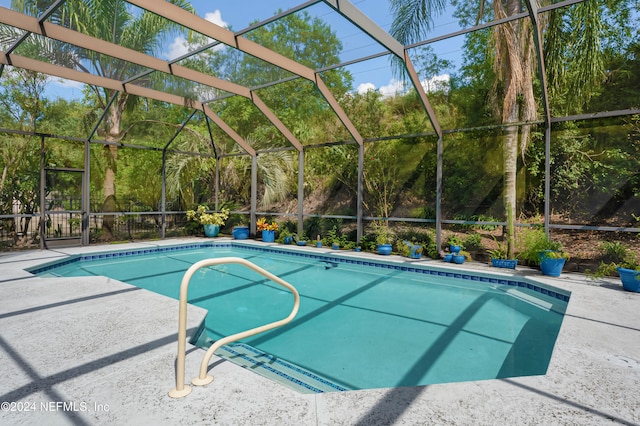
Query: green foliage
x=615, y=255
x=473, y=241
x=552, y=254
x=297, y=103
x=532, y=241
x=380, y=178
x=202, y=217
x=368, y=242
x=283, y=234
x=593, y=163
x=313, y=226
x=424, y=238
x=383, y=234
x=615, y=251
x=498, y=253
x=477, y=218
x=455, y=240
x=301, y=237
x=466, y=255
x=333, y=236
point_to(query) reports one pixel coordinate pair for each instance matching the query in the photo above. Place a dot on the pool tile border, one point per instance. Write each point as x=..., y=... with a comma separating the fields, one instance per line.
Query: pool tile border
x=550, y=291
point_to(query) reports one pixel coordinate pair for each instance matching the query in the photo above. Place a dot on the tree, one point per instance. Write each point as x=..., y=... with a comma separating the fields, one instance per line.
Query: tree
x=22, y=104
x=114, y=21
x=298, y=103
x=514, y=66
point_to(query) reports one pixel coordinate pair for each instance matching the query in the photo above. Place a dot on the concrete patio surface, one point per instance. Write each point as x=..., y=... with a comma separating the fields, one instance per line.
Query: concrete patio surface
x=95, y=351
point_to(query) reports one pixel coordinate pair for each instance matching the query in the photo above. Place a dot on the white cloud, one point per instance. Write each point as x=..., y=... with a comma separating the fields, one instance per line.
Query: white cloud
x=216, y=18
x=365, y=87
x=63, y=89
x=180, y=46
x=66, y=83
x=177, y=48
x=436, y=83
x=395, y=87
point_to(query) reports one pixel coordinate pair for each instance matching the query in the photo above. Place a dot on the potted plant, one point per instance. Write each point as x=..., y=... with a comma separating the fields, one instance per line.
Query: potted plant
x=629, y=271
x=621, y=260
x=285, y=236
x=240, y=232
x=268, y=230
x=460, y=257
x=210, y=221
x=630, y=276
x=551, y=256
x=552, y=262
x=333, y=239
x=499, y=258
x=626, y=264
x=411, y=250
x=301, y=239
x=455, y=243
x=384, y=238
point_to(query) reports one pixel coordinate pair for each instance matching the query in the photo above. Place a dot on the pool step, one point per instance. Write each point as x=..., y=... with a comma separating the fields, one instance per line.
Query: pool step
x=284, y=372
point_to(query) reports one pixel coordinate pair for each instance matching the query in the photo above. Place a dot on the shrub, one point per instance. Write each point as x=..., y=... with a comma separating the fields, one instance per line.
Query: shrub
x=614, y=251
x=616, y=255
x=532, y=241
x=473, y=242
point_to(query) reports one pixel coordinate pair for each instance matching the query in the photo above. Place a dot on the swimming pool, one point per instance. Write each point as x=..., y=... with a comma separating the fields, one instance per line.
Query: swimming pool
x=362, y=324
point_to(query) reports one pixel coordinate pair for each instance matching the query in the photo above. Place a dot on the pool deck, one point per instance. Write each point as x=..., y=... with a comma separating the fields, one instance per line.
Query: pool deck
x=95, y=351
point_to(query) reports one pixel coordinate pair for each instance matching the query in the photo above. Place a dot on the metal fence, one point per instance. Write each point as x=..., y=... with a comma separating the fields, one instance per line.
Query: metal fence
x=64, y=227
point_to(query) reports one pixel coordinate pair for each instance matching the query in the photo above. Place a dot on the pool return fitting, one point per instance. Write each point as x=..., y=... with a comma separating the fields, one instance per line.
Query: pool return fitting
x=181, y=389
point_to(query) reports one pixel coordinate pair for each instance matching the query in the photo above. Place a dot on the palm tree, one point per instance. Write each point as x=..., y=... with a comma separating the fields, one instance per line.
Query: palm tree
x=110, y=20
x=514, y=65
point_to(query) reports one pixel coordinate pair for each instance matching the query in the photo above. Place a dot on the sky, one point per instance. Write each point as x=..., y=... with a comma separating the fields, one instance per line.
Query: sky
x=370, y=75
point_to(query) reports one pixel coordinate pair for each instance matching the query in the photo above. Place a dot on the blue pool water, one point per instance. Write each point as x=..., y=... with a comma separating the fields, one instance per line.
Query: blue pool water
x=360, y=325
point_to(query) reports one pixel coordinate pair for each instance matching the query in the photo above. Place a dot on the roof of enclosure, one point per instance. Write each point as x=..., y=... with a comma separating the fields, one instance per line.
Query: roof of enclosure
x=369, y=42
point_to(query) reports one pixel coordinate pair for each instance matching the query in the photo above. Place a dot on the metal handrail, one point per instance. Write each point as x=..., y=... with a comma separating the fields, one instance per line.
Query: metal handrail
x=181, y=389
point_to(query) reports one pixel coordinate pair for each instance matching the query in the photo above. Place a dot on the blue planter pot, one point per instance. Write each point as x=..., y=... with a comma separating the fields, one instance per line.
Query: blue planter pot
x=302, y=243
x=335, y=246
x=240, y=232
x=384, y=249
x=458, y=258
x=630, y=279
x=268, y=236
x=454, y=249
x=319, y=244
x=211, y=230
x=448, y=257
x=504, y=263
x=549, y=266
x=287, y=240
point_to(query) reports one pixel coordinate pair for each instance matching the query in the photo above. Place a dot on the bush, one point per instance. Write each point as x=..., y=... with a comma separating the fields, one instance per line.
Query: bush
x=532, y=241
x=424, y=238
x=473, y=242
x=616, y=254
x=614, y=251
